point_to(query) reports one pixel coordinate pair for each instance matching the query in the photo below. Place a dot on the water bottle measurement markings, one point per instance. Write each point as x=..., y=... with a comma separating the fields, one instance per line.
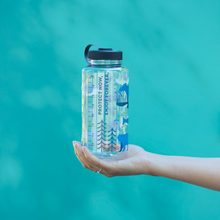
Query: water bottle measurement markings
x=91, y=111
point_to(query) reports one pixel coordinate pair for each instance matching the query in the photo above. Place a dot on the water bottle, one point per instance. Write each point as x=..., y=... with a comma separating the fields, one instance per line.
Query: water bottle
x=105, y=103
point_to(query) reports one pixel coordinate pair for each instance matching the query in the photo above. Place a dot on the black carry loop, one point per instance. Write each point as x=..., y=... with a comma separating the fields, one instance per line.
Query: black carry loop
x=87, y=51
x=101, y=54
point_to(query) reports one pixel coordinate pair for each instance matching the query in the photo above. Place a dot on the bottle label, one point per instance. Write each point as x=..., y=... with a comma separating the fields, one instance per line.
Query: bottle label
x=105, y=110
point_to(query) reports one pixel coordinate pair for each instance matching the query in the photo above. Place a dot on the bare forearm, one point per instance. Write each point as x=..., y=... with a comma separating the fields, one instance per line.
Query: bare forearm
x=203, y=172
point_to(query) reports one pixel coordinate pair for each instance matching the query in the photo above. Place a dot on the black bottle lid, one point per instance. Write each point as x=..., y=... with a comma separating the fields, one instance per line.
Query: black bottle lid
x=102, y=54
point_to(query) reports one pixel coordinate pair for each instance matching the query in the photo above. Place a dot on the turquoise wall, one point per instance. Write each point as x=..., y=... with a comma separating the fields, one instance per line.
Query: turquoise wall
x=172, y=50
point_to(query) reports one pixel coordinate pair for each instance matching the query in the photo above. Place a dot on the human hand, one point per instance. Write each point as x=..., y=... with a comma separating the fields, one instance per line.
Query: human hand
x=134, y=162
x=199, y=171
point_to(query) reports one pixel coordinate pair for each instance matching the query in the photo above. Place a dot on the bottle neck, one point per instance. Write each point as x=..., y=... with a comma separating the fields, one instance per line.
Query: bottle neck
x=105, y=63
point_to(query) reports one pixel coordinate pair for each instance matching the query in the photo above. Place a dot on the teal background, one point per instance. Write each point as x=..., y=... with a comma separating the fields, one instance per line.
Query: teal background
x=172, y=50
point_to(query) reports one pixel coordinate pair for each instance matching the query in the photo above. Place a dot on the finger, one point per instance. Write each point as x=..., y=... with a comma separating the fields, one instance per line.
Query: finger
x=107, y=168
x=81, y=161
x=81, y=157
x=103, y=170
x=94, y=166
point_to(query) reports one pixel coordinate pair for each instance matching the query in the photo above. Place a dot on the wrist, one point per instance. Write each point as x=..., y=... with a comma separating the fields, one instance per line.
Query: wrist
x=154, y=164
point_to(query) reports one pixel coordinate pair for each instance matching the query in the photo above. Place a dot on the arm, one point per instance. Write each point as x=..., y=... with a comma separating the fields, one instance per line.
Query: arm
x=203, y=172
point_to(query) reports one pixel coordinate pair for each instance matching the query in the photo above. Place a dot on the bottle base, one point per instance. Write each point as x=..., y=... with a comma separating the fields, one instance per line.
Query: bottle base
x=109, y=155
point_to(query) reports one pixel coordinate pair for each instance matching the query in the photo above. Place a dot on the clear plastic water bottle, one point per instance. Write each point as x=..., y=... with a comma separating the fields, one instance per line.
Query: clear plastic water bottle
x=104, y=102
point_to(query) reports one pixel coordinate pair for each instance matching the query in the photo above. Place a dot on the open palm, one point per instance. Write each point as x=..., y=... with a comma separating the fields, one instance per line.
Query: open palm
x=132, y=162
